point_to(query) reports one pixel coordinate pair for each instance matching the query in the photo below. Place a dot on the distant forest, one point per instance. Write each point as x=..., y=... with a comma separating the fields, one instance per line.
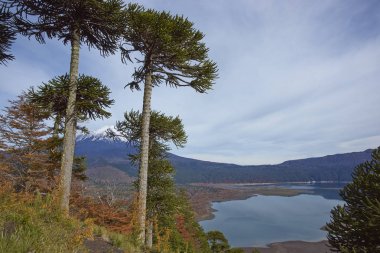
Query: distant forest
x=102, y=153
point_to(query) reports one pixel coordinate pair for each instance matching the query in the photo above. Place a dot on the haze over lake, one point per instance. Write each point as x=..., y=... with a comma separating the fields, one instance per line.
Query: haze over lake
x=262, y=220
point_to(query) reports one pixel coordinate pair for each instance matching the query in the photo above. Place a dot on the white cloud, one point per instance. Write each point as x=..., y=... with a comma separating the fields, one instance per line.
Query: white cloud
x=297, y=79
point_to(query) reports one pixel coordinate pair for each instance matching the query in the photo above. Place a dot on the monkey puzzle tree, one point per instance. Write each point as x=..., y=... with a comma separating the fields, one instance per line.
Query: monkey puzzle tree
x=170, y=50
x=95, y=23
x=92, y=99
x=7, y=33
x=161, y=197
x=355, y=226
x=91, y=103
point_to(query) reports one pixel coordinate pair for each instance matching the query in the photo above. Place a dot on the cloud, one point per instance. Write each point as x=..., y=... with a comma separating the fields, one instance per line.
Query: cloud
x=296, y=79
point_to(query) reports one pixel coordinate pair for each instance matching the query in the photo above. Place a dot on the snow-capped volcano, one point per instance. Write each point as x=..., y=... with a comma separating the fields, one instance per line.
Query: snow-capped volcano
x=100, y=135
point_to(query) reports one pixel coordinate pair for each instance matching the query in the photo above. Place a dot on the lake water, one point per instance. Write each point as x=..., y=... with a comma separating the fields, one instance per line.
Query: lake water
x=262, y=220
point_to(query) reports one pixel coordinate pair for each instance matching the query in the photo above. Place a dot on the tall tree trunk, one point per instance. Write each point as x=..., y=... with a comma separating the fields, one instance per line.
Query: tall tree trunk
x=149, y=235
x=143, y=172
x=70, y=126
x=56, y=127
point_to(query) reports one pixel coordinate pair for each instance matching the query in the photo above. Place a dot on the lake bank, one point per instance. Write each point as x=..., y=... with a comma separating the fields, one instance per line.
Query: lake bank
x=293, y=247
x=275, y=213
x=203, y=195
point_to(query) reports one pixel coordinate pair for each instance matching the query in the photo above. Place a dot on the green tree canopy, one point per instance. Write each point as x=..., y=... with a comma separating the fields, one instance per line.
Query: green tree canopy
x=161, y=202
x=171, y=50
x=168, y=50
x=217, y=241
x=7, y=33
x=355, y=226
x=91, y=102
x=95, y=23
x=162, y=130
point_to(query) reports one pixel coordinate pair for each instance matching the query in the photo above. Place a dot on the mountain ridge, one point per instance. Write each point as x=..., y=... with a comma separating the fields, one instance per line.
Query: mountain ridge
x=103, y=152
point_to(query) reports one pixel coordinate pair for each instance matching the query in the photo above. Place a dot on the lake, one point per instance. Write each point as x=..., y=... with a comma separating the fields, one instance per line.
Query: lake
x=262, y=220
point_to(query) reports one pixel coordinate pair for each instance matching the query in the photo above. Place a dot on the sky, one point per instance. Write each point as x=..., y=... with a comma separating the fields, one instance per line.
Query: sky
x=297, y=79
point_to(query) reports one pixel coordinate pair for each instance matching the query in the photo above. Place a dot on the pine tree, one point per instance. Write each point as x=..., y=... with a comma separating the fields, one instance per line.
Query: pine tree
x=355, y=226
x=170, y=51
x=95, y=23
x=26, y=144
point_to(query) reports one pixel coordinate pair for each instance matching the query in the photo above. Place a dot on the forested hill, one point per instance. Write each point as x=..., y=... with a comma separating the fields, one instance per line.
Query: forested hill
x=106, y=159
x=329, y=168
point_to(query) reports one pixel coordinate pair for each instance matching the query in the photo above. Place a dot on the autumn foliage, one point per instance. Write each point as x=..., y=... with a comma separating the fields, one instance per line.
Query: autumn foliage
x=114, y=217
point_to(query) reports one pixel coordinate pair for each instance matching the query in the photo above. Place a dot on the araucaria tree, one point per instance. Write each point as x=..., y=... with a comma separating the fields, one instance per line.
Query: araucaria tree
x=7, y=33
x=355, y=226
x=161, y=197
x=95, y=23
x=169, y=50
x=92, y=102
x=92, y=99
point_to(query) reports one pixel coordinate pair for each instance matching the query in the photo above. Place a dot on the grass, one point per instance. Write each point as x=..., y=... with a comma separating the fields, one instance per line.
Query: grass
x=34, y=224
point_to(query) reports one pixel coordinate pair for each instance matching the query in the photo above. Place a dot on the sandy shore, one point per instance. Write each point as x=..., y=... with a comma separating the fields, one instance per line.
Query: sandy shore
x=294, y=247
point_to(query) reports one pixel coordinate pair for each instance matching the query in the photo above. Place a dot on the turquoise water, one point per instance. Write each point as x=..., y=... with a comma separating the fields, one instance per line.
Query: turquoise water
x=261, y=220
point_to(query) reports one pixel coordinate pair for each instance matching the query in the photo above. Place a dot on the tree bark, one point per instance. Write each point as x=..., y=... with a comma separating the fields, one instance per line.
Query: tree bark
x=56, y=127
x=70, y=126
x=143, y=170
x=149, y=235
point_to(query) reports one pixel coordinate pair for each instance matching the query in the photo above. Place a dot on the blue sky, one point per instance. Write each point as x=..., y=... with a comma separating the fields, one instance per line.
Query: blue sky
x=296, y=79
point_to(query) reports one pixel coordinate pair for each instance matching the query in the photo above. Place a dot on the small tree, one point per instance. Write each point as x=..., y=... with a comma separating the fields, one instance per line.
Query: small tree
x=170, y=51
x=217, y=241
x=95, y=23
x=355, y=226
x=91, y=103
x=26, y=144
x=161, y=199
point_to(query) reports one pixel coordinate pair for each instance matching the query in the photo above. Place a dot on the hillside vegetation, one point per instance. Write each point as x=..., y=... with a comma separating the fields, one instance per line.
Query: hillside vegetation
x=105, y=153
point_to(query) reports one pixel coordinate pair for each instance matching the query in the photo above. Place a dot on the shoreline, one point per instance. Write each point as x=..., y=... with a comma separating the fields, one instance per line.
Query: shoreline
x=292, y=247
x=203, y=196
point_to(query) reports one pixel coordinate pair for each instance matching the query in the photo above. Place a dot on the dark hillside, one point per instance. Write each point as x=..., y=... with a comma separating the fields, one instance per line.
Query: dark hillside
x=104, y=153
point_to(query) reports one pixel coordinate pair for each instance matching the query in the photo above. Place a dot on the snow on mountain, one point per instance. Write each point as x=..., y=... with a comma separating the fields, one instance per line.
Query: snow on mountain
x=100, y=135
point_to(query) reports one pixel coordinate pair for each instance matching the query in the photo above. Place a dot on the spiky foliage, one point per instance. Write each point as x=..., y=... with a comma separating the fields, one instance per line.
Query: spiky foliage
x=7, y=33
x=162, y=130
x=95, y=23
x=355, y=226
x=171, y=50
x=98, y=22
x=161, y=197
x=91, y=102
